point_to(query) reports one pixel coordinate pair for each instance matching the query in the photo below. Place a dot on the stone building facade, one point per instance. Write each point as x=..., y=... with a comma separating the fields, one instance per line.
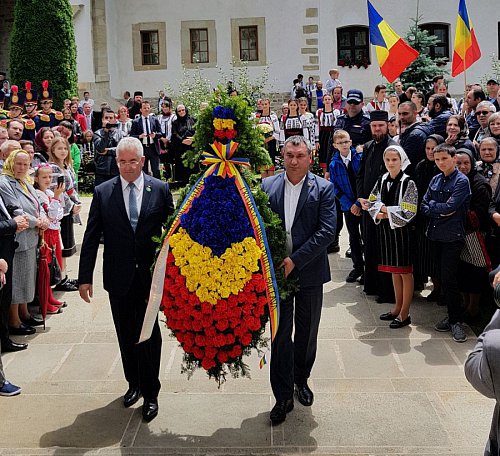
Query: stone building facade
x=129, y=45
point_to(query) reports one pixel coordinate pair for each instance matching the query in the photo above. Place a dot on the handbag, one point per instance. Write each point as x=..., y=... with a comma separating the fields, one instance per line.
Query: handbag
x=474, y=251
x=54, y=269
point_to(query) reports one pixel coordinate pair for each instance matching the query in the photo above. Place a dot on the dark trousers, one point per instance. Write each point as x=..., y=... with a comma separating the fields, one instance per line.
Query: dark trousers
x=6, y=293
x=353, y=224
x=292, y=360
x=447, y=256
x=141, y=362
x=379, y=283
x=340, y=220
x=151, y=158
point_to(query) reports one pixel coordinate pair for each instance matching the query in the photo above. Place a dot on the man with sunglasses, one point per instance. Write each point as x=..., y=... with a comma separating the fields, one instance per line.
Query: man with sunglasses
x=484, y=110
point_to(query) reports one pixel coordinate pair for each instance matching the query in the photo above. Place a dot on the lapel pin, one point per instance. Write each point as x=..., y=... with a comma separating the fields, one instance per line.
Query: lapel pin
x=148, y=188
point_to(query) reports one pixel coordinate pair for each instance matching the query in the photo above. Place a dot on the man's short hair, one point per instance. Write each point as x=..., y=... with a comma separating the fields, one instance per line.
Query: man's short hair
x=295, y=140
x=130, y=143
x=478, y=94
x=11, y=121
x=340, y=134
x=380, y=87
x=444, y=147
x=26, y=142
x=143, y=102
x=410, y=104
x=486, y=104
x=441, y=100
x=107, y=111
x=437, y=78
x=86, y=93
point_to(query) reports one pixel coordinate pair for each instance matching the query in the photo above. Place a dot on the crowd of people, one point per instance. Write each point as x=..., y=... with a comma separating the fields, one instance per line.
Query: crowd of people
x=407, y=169
x=47, y=157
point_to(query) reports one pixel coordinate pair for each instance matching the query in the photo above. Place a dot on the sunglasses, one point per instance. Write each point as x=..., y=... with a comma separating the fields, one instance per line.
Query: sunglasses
x=482, y=113
x=353, y=102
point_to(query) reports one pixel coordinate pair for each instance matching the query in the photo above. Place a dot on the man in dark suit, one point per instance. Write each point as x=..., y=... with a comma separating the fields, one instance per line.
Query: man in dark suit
x=128, y=210
x=147, y=128
x=306, y=204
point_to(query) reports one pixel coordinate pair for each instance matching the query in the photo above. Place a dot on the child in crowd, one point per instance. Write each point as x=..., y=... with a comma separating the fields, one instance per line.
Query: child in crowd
x=51, y=202
x=344, y=167
x=333, y=81
x=445, y=203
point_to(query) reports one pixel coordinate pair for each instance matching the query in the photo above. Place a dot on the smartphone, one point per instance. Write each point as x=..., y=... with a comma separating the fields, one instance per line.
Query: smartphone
x=60, y=180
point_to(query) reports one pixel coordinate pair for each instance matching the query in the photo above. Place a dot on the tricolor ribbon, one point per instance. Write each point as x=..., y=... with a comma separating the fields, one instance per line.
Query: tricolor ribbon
x=222, y=162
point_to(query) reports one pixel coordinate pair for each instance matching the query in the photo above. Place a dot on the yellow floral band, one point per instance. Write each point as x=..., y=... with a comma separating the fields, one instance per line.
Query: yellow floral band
x=212, y=277
x=221, y=124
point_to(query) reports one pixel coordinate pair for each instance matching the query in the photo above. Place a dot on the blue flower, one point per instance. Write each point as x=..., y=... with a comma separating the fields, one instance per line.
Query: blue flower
x=218, y=217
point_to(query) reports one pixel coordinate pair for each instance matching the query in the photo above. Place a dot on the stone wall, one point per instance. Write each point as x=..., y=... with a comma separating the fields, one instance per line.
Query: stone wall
x=6, y=21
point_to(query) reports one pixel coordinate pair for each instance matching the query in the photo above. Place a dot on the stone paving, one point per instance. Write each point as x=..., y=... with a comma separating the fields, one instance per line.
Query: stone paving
x=377, y=391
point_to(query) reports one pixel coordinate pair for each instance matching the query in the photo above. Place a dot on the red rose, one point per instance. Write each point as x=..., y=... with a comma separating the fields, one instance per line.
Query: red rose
x=206, y=308
x=222, y=325
x=236, y=351
x=200, y=340
x=222, y=356
x=198, y=352
x=246, y=339
x=211, y=332
x=230, y=339
x=207, y=363
x=210, y=352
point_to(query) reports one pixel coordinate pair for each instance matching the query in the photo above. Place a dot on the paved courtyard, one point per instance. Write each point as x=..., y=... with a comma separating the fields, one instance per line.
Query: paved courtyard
x=377, y=391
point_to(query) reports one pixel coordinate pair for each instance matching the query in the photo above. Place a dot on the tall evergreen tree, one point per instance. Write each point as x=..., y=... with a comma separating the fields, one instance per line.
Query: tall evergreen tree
x=42, y=46
x=424, y=67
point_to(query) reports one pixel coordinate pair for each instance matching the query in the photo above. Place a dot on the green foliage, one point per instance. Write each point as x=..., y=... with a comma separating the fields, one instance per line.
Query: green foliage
x=424, y=67
x=250, y=140
x=494, y=74
x=42, y=46
x=194, y=89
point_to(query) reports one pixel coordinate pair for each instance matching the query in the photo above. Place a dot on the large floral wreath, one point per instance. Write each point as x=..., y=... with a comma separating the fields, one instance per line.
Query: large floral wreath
x=214, y=276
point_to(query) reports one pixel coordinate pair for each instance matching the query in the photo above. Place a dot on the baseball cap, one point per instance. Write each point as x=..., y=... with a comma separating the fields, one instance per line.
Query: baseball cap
x=492, y=81
x=355, y=95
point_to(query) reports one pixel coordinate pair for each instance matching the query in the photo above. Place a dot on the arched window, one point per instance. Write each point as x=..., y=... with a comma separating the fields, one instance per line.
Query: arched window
x=442, y=31
x=353, y=46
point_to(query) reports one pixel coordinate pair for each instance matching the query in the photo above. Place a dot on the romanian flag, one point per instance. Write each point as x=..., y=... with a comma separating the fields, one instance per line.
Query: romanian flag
x=393, y=53
x=466, y=50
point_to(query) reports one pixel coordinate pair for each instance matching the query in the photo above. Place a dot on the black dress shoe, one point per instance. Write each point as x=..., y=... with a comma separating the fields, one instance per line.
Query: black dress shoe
x=11, y=346
x=149, y=409
x=304, y=394
x=348, y=253
x=32, y=321
x=23, y=330
x=334, y=247
x=67, y=285
x=353, y=275
x=131, y=396
x=397, y=323
x=279, y=411
x=387, y=316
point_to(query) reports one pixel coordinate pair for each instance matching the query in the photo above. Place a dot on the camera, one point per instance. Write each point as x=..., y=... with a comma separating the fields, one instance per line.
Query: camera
x=60, y=180
x=110, y=126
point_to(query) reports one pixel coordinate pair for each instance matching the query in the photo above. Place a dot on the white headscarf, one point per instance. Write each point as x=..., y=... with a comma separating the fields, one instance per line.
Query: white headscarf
x=405, y=161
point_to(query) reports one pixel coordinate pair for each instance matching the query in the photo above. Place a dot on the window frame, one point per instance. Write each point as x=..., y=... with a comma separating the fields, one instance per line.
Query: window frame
x=254, y=28
x=431, y=27
x=260, y=23
x=353, y=48
x=199, y=41
x=151, y=42
x=137, y=45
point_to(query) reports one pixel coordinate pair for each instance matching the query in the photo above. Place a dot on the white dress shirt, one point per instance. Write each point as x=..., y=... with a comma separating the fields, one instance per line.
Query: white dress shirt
x=139, y=188
x=346, y=159
x=291, y=199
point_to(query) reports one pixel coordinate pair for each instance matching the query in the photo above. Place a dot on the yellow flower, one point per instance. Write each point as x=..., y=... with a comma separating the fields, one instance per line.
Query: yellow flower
x=212, y=277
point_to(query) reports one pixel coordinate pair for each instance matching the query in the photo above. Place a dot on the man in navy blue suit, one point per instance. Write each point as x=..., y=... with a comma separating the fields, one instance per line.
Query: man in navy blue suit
x=306, y=204
x=128, y=210
x=147, y=129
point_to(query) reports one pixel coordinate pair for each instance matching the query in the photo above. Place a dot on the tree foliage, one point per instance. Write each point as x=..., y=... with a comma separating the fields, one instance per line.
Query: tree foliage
x=424, y=67
x=42, y=46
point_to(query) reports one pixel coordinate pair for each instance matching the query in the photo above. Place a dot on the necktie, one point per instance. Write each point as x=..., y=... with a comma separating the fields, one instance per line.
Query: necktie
x=132, y=206
x=148, y=130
